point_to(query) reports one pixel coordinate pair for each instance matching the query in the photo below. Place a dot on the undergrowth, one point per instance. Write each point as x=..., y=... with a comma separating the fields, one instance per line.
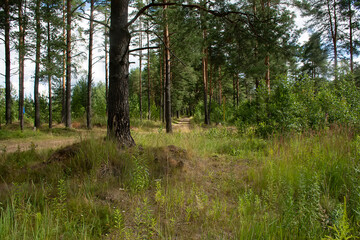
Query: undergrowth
x=298, y=186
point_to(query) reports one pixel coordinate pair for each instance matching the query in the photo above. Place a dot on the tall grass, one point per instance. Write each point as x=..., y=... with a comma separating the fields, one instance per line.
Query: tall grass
x=299, y=186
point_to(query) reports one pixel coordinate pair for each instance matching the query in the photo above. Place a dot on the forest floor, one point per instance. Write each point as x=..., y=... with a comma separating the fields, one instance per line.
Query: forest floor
x=51, y=141
x=197, y=183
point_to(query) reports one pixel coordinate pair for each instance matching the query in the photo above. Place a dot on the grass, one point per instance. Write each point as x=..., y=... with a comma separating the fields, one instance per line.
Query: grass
x=298, y=186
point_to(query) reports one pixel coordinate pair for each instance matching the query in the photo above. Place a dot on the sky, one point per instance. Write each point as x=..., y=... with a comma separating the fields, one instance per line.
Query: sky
x=99, y=67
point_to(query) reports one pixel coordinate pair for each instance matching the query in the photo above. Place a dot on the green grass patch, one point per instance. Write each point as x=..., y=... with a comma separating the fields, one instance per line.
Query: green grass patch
x=298, y=186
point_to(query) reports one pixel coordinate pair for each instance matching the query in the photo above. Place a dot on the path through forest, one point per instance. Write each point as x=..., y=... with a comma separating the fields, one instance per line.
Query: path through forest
x=54, y=142
x=182, y=125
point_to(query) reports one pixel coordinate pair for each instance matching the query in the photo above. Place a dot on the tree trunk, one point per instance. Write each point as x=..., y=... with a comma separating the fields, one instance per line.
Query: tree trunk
x=205, y=77
x=106, y=64
x=37, y=66
x=119, y=114
x=63, y=110
x=267, y=74
x=351, y=39
x=140, y=71
x=49, y=62
x=8, y=117
x=148, y=75
x=234, y=91
x=21, y=63
x=91, y=33
x=167, y=74
x=220, y=86
x=334, y=33
x=210, y=93
x=161, y=86
x=68, y=65
x=164, y=81
x=237, y=91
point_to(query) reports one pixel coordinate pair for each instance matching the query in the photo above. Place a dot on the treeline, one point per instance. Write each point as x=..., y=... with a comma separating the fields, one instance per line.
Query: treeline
x=218, y=61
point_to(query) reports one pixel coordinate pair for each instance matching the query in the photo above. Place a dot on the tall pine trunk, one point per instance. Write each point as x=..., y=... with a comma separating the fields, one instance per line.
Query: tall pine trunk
x=161, y=85
x=351, y=38
x=21, y=62
x=205, y=76
x=237, y=90
x=63, y=95
x=49, y=63
x=7, y=64
x=210, y=92
x=220, y=86
x=333, y=31
x=106, y=62
x=91, y=33
x=167, y=74
x=118, y=113
x=140, y=72
x=267, y=74
x=148, y=74
x=37, y=66
x=68, y=64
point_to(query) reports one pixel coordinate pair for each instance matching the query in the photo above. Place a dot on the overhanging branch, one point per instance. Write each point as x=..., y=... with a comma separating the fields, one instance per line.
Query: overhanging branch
x=144, y=48
x=213, y=12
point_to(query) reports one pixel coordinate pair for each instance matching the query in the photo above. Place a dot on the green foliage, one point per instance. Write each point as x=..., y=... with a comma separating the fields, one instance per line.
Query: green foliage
x=79, y=101
x=342, y=230
x=300, y=105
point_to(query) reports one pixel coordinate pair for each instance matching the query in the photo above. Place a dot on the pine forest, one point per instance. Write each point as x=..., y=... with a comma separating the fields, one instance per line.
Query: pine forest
x=179, y=119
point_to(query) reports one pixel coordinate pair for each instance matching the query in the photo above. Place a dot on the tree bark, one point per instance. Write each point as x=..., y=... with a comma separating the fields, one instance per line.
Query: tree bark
x=164, y=81
x=210, y=93
x=220, y=87
x=167, y=74
x=91, y=33
x=237, y=90
x=351, y=38
x=161, y=86
x=21, y=63
x=267, y=74
x=68, y=64
x=106, y=63
x=148, y=74
x=37, y=66
x=140, y=72
x=334, y=32
x=49, y=62
x=8, y=117
x=63, y=110
x=118, y=113
x=205, y=76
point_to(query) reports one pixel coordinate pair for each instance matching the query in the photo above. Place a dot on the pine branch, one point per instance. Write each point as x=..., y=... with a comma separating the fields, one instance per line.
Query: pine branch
x=95, y=21
x=143, y=48
x=213, y=12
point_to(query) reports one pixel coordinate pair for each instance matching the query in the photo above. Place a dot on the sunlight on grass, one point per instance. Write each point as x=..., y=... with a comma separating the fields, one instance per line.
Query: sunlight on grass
x=230, y=187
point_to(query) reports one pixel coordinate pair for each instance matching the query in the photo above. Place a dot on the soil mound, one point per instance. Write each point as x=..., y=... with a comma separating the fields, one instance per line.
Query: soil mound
x=64, y=154
x=170, y=158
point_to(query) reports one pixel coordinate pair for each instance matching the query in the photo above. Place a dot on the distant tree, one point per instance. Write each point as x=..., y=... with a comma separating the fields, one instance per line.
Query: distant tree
x=325, y=19
x=314, y=57
x=5, y=24
x=22, y=20
x=90, y=66
x=68, y=63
